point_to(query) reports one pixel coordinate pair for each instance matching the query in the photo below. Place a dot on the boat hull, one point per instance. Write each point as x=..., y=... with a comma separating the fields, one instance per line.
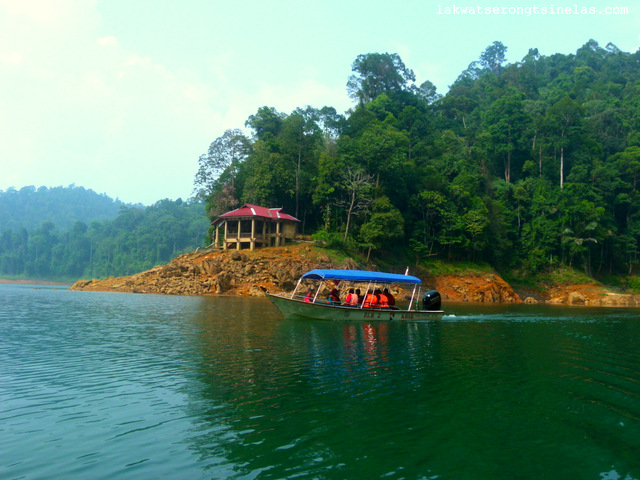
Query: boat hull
x=291, y=307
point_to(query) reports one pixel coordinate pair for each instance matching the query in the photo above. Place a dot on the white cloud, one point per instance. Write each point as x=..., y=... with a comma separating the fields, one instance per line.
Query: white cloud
x=109, y=41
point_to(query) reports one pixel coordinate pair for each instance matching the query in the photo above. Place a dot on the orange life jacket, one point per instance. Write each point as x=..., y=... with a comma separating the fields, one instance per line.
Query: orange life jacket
x=383, y=301
x=370, y=301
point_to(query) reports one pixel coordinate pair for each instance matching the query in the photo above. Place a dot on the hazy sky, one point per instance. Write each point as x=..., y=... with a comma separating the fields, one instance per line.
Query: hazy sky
x=123, y=96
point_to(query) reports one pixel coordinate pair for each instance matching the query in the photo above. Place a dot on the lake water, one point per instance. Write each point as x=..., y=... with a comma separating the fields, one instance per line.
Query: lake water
x=110, y=385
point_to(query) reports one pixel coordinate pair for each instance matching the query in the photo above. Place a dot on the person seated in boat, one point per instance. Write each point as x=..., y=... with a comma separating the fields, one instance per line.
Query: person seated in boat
x=334, y=297
x=352, y=298
x=390, y=299
x=383, y=300
x=370, y=300
x=309, y=297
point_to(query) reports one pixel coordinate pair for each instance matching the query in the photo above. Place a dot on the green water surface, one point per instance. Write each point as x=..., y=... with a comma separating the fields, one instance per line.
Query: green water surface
x=96, y=385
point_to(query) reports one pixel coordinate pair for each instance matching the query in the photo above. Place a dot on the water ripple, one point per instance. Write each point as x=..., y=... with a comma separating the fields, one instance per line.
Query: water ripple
x=131, y=386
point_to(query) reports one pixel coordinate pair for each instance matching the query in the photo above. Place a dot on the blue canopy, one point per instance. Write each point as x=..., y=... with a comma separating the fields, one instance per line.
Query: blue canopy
x=360, y=276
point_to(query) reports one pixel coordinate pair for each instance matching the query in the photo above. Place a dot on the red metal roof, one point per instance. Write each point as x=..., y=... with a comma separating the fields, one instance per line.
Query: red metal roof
x=249, y=211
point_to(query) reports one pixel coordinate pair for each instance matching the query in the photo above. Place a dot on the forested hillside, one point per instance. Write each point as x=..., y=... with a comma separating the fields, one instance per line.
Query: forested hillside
x=524, y=165
x=64, y=206
x=136, y=240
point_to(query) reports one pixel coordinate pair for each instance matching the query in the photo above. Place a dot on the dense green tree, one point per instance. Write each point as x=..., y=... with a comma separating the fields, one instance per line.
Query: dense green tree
x=270, y=177
x=431, y=207
x=225, y=155
x=382, y=147
x=493, y=57
x=541, y=228
x=300, y=138
x=564, y=117
x=266, y=123
x=427, y=91
x=476, y=222
x=580, y=216
x=507, y=122
x=384, y=227
x=377, y=73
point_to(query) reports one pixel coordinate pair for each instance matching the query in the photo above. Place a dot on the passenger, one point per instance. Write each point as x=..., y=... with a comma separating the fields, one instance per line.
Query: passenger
x=390, y=298
x=309, y=297
x=334, y=297
x=352, y=298
x=383, y=300
x=370, y=300
x=360, y=299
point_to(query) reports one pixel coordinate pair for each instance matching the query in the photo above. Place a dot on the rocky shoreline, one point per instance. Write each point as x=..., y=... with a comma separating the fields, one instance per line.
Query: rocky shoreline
x=248, y=273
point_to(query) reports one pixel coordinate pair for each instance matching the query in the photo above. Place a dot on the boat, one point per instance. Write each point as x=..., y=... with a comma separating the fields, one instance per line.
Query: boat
x=318, y=307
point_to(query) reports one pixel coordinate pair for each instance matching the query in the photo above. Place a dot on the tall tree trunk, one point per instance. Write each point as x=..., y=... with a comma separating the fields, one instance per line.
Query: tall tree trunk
x=562, y=161
x=298, y=177
x=327, y=218
x=507, y=170
x=351, y=204
x=561, y=166
x=540, y=160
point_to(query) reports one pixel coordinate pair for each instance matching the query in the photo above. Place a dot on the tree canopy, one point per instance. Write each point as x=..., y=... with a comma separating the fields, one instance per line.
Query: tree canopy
x=524, y=165
x=135, y=239
x=378, y=73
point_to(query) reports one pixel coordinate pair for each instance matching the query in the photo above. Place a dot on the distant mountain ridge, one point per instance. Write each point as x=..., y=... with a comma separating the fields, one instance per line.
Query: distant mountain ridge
x=29, y=207
x=65, y=233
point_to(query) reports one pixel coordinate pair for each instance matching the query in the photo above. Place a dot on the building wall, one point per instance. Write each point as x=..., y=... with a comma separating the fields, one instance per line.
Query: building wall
x=289, y=230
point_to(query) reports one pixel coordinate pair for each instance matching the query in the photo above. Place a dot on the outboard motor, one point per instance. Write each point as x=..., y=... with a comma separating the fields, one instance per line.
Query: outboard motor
x=431, y=300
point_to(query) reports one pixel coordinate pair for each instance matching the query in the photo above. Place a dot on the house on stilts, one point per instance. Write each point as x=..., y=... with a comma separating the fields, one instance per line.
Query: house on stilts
x=252, y=226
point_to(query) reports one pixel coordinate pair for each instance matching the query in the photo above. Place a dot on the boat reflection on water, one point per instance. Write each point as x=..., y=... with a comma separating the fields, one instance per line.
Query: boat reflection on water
x=371, y=339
